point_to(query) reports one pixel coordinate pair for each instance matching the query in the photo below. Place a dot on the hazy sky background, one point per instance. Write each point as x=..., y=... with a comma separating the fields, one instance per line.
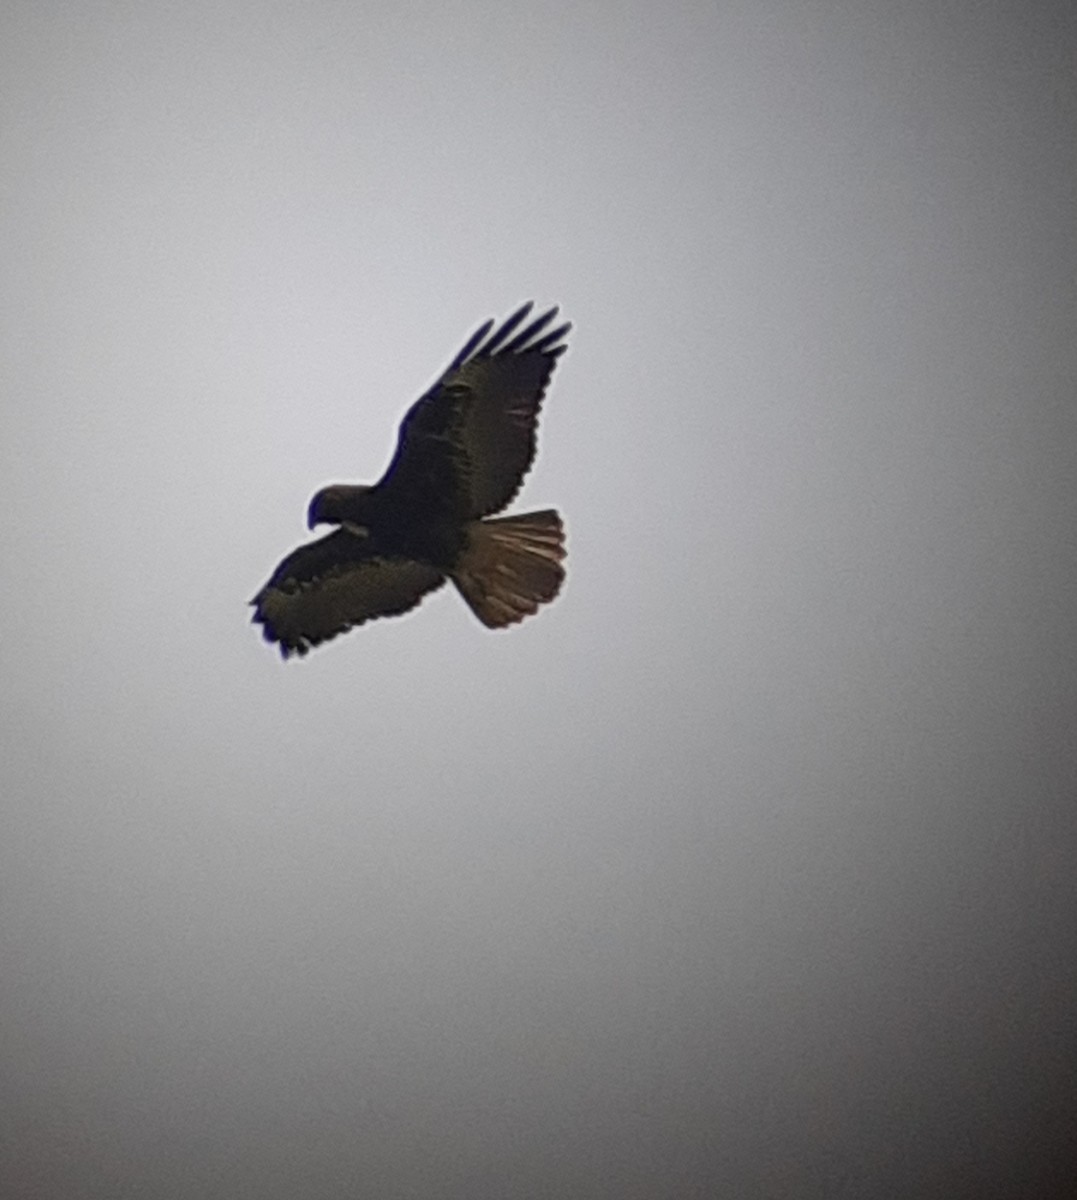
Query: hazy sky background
x=745, y=869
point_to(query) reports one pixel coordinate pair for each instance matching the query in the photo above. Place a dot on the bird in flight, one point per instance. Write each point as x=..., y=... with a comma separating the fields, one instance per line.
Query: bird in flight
x=462, y=453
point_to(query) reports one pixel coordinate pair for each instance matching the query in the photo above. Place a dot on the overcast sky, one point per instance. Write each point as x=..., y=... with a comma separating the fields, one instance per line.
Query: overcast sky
x=744, y=869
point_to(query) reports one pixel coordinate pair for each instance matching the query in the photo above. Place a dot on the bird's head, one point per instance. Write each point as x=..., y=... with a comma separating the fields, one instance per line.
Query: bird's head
x=337, y=504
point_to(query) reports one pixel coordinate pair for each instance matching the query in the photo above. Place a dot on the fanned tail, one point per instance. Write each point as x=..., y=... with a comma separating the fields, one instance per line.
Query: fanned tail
x=511, y=566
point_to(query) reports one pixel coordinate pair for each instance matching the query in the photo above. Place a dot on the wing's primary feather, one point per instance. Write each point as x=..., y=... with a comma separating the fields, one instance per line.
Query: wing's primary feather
x=470, y=344
x=521, y=339
x=507, y=328
x=333, y=584
x=471, y=439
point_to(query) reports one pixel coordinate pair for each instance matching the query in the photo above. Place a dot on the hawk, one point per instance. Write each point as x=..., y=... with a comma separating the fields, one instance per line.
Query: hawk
x=462, y=453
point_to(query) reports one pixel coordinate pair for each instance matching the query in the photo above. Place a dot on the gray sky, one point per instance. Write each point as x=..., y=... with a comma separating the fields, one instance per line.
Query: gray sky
x=744, y=869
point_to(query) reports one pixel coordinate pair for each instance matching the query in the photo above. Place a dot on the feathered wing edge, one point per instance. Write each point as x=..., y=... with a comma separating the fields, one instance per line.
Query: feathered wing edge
x=324, y=589
x=511, y=566
x=439, y=415
x=476, y=347
x=505, y=375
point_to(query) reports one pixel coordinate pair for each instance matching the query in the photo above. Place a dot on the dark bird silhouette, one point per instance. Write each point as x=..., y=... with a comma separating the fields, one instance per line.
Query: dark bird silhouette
x=462, y=453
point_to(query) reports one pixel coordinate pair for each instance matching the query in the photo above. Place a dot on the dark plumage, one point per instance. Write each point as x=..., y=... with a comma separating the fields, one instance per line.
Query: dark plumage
x=463, y=451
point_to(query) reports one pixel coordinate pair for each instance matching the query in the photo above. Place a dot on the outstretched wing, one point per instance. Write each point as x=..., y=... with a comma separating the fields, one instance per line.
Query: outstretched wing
x=328, y=586
x=468, y=443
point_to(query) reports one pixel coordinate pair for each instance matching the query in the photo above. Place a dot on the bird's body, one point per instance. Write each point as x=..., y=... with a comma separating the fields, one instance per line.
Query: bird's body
x=463, y=451
x=428, y=532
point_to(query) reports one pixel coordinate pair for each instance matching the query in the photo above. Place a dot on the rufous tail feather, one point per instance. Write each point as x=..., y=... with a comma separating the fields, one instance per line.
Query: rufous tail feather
x=511, y=566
